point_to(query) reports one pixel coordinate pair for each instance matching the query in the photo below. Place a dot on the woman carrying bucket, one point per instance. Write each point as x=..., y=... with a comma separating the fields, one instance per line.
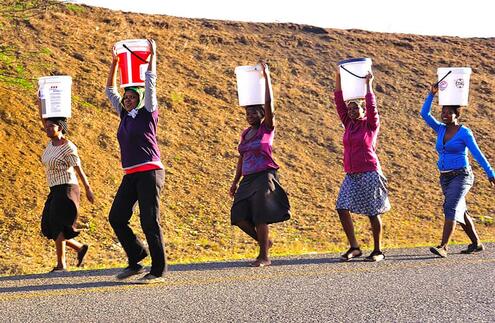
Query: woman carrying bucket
x=59, y=217
x=144, y=172
x=364, y=188
x=456, y=176
x=259, y=199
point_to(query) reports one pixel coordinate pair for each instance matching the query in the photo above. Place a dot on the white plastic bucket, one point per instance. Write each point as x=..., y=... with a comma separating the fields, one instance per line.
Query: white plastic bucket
x=453, y=89
x=133, y=61
x=55, y=96
x=352, y=77
x=250, y=85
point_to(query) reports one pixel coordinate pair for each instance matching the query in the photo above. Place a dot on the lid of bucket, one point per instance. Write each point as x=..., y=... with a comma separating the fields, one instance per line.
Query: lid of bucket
x=456, y=70
x=141, y=42
x=55, y=78
x=240, y=69
x=355, y=60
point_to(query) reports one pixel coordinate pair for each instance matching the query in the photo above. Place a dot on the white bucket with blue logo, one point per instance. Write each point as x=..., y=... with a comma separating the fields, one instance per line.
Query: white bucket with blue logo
x=453, y=86
x=250, y=85
x=55, y=96
x=353, y=77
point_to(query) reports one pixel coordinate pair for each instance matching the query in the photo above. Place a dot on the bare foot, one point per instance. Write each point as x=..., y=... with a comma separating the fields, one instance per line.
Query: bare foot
x=261, y=263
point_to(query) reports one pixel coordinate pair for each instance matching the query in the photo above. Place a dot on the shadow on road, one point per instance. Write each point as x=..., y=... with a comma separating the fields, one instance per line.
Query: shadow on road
x=79, y=273
x=71, y=286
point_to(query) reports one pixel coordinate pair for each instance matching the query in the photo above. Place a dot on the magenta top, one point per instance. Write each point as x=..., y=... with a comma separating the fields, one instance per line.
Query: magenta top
x=360, y=136
x=256, y=152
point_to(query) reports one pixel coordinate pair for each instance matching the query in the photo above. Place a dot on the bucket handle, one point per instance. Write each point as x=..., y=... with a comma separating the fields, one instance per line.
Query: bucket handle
x=345, y=69
x=436, y=84
x=134, y=54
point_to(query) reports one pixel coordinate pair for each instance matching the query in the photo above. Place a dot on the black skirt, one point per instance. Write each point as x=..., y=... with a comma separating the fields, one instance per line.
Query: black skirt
x=60, y=212
x=260, y=199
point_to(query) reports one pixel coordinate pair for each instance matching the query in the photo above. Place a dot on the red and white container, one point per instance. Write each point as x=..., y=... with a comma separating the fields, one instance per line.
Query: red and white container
x=133, y=61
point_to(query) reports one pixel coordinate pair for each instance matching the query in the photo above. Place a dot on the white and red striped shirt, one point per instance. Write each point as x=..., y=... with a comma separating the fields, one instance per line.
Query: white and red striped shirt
x=59, y=162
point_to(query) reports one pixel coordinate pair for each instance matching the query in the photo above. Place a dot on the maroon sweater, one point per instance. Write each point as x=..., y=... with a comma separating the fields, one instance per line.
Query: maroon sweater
x=360, y=136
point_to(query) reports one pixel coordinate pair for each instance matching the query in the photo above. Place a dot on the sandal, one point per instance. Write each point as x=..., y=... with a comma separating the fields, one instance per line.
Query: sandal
x=439, y=251
x=351, y=253
x=376, y=256
x=58, y=270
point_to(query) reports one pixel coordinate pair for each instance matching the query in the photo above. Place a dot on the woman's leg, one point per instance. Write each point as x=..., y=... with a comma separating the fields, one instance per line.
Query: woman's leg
x=376, y=228
x=454, y=190
x=60, y=250
x=448, y=230
x=248, y=228
x=149, y=185
x=74, y=244
x=470, y=229
x=346, y=220
x=119, y=217
x=264, y=243
x=81, y=249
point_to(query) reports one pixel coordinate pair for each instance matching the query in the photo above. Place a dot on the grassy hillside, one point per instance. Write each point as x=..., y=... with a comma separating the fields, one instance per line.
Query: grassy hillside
x=200, y=124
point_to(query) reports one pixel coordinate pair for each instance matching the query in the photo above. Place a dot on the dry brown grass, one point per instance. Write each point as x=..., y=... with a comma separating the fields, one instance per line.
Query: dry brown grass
x=200, y=124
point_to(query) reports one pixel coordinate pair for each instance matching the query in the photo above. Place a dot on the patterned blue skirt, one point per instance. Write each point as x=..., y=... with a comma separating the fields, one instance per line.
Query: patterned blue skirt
x=364, y=193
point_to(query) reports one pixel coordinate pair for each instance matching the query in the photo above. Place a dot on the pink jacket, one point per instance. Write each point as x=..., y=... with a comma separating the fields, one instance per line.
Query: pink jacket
x=359, y=136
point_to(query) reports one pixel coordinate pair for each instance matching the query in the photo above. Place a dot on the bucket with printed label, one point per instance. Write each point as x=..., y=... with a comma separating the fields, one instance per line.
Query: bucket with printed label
x=133, y=61
x=55, y=96
x=453, y=85
x=353, y=77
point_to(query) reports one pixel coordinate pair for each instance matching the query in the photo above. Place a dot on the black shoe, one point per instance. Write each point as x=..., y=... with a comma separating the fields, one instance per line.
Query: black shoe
x=150, y=279
x=130, y=271
x=351, y=253
x=473, y=248
x=80, y=255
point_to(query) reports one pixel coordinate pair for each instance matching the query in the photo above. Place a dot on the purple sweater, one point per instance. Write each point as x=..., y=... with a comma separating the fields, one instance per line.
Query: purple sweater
x=137, y=136
x=360, y=136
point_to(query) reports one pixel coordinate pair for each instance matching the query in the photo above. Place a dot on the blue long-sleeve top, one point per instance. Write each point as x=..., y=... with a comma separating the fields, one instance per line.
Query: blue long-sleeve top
x=453, y=154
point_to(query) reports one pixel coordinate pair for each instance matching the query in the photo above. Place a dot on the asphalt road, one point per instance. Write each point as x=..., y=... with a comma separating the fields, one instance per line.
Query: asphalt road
x=409, y=286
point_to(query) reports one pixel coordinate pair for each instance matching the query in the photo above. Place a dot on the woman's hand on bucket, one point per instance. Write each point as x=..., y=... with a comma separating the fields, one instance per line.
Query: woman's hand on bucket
x=492, y=181
x=264, y=68
x=369, y=77
x=338, y=87
x=434, y=88
x=115, y=57
x=152, y=43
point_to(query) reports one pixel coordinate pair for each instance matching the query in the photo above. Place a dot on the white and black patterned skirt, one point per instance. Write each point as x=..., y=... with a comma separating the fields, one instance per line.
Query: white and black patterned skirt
x=364, y=193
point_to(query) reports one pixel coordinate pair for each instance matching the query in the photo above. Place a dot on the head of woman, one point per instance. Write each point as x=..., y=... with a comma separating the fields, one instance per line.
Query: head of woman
x=355, y=109
x=56, y=127
x=255, y=114
x=451, y=114
x=133, y=98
